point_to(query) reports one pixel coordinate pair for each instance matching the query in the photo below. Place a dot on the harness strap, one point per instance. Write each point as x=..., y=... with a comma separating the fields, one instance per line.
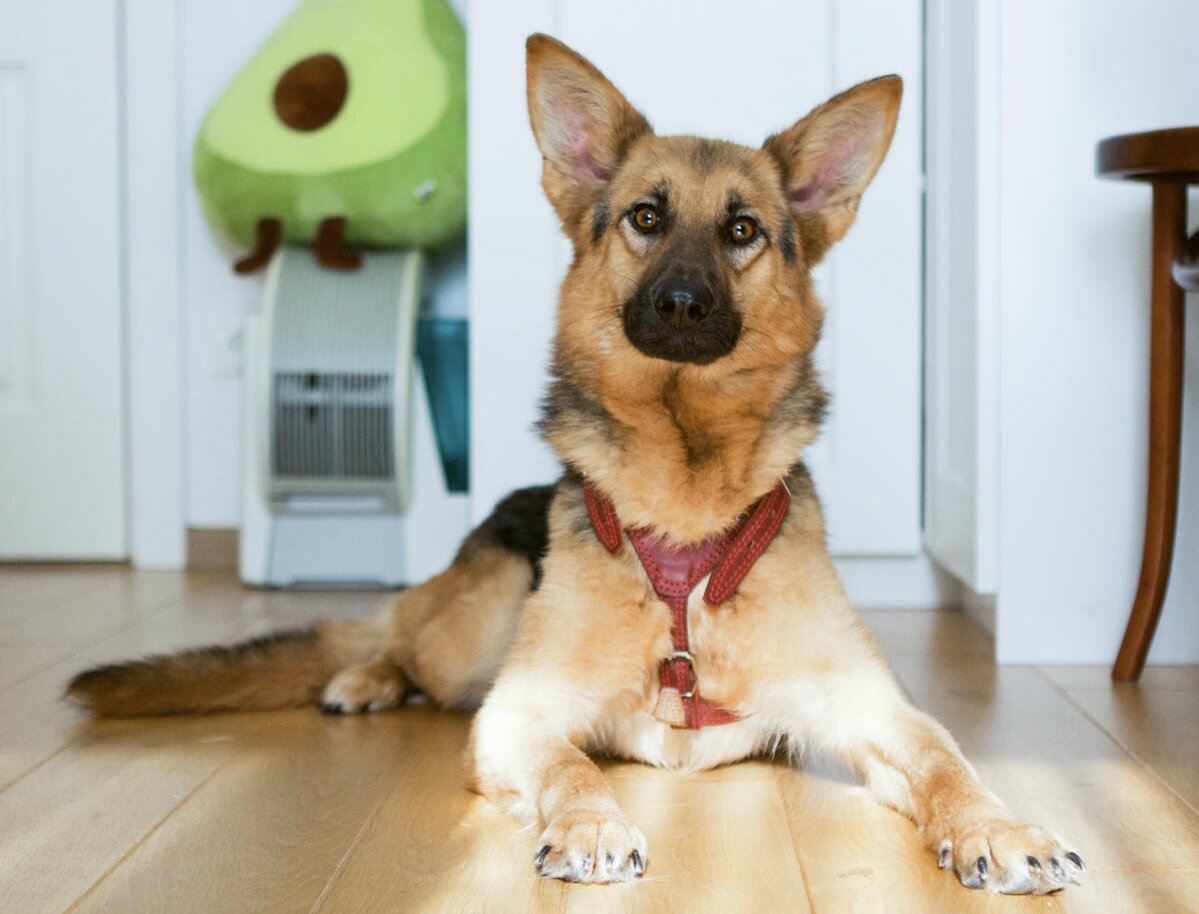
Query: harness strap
x=674, y=571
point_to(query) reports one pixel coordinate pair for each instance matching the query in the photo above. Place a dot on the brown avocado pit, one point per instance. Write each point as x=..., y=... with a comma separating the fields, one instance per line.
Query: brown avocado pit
x=311, y=92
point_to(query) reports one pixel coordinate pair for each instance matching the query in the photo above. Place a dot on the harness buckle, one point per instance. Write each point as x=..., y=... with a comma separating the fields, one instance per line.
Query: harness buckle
x=686, y=655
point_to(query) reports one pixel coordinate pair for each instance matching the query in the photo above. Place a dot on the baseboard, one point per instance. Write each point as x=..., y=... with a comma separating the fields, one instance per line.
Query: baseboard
x=872, y=583
x=211, y=549
x=980, y=608
x=898, y=583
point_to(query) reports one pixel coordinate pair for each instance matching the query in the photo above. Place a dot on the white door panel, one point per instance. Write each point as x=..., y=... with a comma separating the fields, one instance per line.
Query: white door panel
x=61, y=435
x=739, y=73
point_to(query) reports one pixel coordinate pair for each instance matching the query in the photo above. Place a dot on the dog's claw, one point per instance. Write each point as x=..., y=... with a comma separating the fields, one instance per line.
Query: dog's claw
x=638, y=862
x=945, y=856
x=590, y=847
x=1076, y=860
x=331, y=707
x=1004, y=855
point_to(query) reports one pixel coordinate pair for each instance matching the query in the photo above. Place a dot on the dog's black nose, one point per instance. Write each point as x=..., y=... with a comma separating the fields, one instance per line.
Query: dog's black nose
x=681, y=303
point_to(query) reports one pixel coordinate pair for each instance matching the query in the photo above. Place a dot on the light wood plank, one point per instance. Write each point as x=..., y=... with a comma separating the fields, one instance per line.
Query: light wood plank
x=31, y=589
x=111, y=600
x=272, y=826
x=63, y=827
x=432, y=847
x=291, y=811
x=1053, y=766
x=718, y=841
x=18, y=661
x=35, y=723
x=1156, y=720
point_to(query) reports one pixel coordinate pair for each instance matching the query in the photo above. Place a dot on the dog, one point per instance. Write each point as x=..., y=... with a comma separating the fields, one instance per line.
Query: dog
x=683, y=391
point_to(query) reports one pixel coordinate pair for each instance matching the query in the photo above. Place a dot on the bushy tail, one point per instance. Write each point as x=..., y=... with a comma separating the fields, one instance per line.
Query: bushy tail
x=276, y=671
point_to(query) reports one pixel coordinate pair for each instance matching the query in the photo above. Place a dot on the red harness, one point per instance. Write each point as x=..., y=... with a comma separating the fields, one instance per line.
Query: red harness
x=674, y=571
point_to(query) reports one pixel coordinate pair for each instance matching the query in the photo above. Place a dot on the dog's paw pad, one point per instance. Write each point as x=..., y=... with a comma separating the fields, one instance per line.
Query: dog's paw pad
x=1010, y=857
x=591, y=847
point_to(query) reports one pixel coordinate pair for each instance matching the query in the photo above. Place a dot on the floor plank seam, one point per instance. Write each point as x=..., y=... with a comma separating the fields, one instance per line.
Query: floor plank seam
x=133, y=848
x=803, y=873
x=76, y=649
x=36, y=765
x=72, y=741
x=331, y=882
x=1120, y=744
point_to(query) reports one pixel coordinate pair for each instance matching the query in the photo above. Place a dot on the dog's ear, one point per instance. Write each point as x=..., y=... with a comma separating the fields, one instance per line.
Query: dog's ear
x=830, y=157
x=583, y=126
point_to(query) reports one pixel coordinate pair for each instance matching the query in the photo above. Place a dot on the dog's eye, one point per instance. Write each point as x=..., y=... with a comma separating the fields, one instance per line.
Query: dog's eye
x=742, y=230
x=646, y=219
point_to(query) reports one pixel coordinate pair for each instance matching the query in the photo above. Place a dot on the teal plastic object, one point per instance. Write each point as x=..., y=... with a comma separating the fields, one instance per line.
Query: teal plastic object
x=443, y=347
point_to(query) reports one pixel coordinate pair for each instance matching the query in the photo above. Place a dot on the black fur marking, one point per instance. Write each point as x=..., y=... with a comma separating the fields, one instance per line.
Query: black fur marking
x=566, y=403
x=736, y=206
x=519, y=524
x=804, y=403
x=787, y=241
x=799, y=482
x=706, y=155
x=571, y=505
x=599, y=221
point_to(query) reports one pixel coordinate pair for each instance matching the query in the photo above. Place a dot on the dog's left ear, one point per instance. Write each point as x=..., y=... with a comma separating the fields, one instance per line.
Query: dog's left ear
x=583, y=126
x=830, y=157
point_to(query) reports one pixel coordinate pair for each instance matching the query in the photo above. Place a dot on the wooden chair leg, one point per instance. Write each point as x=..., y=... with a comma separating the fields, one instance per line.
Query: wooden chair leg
x=1165, y=430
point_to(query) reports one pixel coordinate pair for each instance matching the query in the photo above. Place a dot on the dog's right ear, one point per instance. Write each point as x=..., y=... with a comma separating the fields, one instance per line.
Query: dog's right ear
x=583, y=126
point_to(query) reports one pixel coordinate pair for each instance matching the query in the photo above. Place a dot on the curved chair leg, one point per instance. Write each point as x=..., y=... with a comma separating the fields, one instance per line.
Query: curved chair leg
x=268, y=235
x=1165, y=430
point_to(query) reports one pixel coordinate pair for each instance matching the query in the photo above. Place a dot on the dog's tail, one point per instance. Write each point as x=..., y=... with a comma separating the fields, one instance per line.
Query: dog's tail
x=275, y=671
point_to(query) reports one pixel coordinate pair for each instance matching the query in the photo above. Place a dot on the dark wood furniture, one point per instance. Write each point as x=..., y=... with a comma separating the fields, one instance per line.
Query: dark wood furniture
x=1169, y=161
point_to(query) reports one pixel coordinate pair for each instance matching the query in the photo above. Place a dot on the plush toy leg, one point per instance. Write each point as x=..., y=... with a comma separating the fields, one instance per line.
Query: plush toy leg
x=330, y=246
x=268, y=236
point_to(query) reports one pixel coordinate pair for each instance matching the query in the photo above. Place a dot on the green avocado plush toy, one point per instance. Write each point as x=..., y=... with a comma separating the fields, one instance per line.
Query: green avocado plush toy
x=347, y=128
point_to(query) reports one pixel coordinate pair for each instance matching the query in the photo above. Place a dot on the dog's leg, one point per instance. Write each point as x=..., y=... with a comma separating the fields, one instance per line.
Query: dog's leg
x=910, y=763
x=524, y=759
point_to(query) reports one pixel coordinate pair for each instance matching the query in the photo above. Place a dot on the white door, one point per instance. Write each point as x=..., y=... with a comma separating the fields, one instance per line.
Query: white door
x=62, y=493
x=738, y=71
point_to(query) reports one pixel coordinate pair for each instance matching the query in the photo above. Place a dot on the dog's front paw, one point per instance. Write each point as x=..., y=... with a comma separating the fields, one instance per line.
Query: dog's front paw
x=591, y=847
x=1002, y=854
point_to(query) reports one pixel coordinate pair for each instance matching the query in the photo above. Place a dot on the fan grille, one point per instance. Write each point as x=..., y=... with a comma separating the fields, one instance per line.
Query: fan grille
x=332, y=425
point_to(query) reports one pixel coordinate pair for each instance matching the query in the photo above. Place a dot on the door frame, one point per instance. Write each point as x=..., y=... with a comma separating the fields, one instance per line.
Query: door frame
x=153, y=184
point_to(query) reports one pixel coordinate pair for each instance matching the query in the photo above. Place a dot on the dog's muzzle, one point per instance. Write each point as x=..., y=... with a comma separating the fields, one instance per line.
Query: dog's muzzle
x=681, y=319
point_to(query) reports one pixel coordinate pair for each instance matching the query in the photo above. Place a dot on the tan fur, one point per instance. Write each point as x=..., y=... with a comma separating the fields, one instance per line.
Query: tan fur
x=682, y=448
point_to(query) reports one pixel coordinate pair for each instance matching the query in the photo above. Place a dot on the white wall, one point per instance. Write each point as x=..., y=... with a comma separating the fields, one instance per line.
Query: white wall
x=1074, y=283
x=218, y=36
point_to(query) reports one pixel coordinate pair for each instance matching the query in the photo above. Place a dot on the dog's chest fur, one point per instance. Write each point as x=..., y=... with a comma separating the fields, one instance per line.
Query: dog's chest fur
x=606, y=614
x=635, y=732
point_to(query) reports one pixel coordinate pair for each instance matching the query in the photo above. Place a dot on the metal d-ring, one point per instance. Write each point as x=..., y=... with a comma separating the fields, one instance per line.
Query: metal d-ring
x=686, y=655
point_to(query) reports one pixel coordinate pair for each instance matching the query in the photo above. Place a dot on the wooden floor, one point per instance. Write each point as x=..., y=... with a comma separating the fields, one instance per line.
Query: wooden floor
x=292, y=811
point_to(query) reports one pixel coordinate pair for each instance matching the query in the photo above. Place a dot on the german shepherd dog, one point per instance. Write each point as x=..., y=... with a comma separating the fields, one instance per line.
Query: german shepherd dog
x=683, y=392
